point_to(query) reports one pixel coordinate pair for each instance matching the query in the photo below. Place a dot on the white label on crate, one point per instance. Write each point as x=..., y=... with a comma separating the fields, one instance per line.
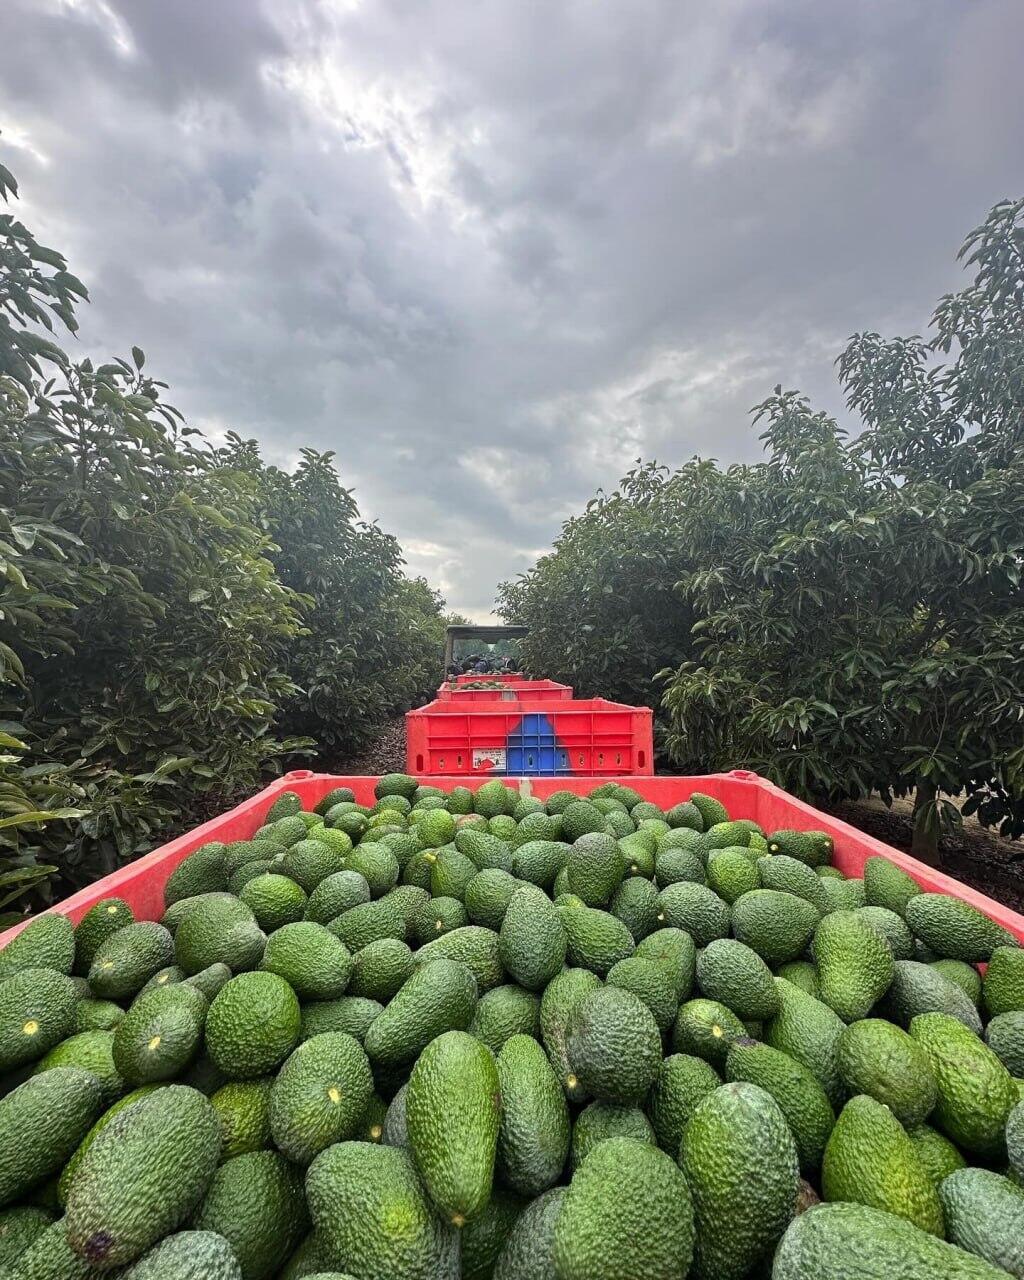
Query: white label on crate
x=488, y=758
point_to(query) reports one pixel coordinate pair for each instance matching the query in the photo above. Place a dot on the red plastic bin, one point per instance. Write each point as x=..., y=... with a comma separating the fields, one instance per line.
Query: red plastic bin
x=534, y=690
x=744, y=794
x=588, y=736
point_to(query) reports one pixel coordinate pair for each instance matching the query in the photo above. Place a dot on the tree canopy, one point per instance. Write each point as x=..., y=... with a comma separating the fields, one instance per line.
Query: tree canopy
x=846, y=616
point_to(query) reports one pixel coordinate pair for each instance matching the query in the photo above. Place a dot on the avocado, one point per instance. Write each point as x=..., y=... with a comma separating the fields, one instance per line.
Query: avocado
x=808, y=1030
x=218, y=930
x=92, y=1051
x=985, y=1215
x=160, y=1035
x=47, y=942
x=893, y=930
x=870, y=1160
x=488, y=895
x=595, y=867
x=49, y=1257
x=730, y=972
x=528, y=1252
x=319, y=1095
x=1003, y=984
x=486, y=852
x=650, y=983
x=126, y=960
x=789, y=875
x=532, y=943
x=675, y=952
x=675, y=864
x=368, y=922
x=706, y=1029
x=68, y=1172
x=533, y=1137
x=976, y=1092
x=696, y=909
x=252, y=1025
x=603, y=1231
x=203, y=871
x=377, y=864
x=453, y=1113
x=681, y=1083
x=741, y=1163
x=935, y=1151
x=875, y=1057
x=256, y=1203
x=613, y=1046
x=731, y=873
x=802, y=974
x=37, y=1010
x=562, y=997
x=855, y=965
x=1004, y=1035
x=373, y=1217
x=1015, y=1139
x=353, y=1014
x=41, y=1123
x=380, y=969
x=243, y=1108
x=274, y=900
x=19, y=1228
x=189, y=1255
x=99, y=922
x=451, y=873
x=314, y=963
x=596, y=940
x=853, y=1241
x=440, y=996
x=504, y=1012
x=711, y=810
x=918, y=988
x=437, y=916
x=335, y=895
x=142, y=1176
x=540, y=862
x=477, y=948
x=798, y=1092
x=812, y=847
x=483, y=1238
x=954, y=929
x=635, y=903
x=599, y=1121
x=886, y=885
x=310, y=861
x=778, y=926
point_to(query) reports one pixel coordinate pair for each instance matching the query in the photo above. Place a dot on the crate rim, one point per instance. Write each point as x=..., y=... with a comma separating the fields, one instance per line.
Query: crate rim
x=931, y=879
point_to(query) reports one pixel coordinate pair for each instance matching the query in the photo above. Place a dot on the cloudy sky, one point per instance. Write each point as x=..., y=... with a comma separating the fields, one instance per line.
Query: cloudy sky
x=490, y=251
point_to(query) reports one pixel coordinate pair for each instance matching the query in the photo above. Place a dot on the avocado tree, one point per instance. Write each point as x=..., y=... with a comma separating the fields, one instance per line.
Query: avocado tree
x=847, y=615
x=601, y=606
x=861, y=613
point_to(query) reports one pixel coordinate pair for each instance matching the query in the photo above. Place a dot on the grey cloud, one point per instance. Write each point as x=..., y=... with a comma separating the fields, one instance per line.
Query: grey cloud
x=490, y=253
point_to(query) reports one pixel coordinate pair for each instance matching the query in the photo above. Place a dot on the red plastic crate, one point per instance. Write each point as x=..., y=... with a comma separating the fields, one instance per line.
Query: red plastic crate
x=534, y=690
x=588, y=736
x=744, y=794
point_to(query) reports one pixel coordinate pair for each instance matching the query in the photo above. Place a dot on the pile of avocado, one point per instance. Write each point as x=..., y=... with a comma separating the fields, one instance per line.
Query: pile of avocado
x=479, y=1035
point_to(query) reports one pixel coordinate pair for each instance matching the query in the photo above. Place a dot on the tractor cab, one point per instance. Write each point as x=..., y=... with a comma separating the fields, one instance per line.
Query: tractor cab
x=482, y=652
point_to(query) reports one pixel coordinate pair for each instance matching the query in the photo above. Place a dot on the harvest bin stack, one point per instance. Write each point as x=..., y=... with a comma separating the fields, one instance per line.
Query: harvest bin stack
x=526, y=728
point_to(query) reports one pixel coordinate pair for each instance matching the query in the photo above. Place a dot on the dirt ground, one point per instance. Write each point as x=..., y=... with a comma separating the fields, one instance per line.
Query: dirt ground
x=987, y=861
x=981, y=858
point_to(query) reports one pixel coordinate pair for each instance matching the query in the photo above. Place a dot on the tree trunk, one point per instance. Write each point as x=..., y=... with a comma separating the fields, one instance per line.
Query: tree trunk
x=925, y=841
